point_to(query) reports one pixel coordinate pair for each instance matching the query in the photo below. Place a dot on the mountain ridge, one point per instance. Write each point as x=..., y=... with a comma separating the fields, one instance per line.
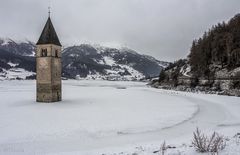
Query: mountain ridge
x=84, y=61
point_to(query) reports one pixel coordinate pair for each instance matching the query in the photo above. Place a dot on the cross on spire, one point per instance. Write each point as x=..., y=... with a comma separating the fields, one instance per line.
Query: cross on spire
x=49, y=11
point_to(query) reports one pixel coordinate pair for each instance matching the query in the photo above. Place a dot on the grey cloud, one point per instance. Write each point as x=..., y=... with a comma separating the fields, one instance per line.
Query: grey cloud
x=161, y=28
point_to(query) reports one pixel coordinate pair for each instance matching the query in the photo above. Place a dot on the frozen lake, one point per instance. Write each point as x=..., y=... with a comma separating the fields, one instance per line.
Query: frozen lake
x=98, y=116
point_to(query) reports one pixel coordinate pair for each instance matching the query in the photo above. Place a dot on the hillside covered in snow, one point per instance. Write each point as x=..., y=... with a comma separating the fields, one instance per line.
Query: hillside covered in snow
x=85, y=61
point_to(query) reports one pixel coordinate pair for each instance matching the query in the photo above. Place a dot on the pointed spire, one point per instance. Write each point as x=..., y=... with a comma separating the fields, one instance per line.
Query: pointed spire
x=49, y=35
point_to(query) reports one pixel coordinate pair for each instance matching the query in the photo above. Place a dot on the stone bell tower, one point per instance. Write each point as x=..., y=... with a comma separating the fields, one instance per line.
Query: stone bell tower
x=49, y=65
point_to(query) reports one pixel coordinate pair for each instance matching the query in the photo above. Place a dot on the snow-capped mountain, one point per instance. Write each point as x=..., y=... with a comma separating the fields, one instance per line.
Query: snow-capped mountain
x=24, y=48
x=17, y=61
x=87, y=61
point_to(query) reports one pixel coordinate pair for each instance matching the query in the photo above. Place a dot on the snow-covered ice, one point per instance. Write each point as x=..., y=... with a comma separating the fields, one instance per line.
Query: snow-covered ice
x=107, y=117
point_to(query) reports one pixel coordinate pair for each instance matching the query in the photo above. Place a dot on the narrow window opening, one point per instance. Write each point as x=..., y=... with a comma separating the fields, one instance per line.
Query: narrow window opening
x=56, y=53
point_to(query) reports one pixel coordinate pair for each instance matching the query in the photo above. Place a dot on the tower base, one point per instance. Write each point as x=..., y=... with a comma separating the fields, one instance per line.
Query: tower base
x=49, y=93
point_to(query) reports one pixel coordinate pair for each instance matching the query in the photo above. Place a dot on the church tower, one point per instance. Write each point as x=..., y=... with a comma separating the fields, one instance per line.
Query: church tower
x=49, y=65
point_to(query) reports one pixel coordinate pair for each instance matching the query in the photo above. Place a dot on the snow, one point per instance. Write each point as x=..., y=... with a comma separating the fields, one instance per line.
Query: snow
x=115, y=73
x=134, y=73
x=14, y=73
x=185, y=70
x=109, y=61
x=12, y=64
x=94, y=75
x=224, y=73
x=5, y=41
x=235, y=72
x=110, y=117
x=100, y=62
x=111, y=72
x=32, y=54
x=74, y=55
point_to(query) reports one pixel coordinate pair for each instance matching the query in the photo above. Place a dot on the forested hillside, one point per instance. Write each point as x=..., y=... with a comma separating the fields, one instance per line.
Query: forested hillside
x=217, y=48
x=213, y=64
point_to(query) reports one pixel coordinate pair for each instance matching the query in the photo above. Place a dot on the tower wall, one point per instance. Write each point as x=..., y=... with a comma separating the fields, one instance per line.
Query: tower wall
x=49, y=70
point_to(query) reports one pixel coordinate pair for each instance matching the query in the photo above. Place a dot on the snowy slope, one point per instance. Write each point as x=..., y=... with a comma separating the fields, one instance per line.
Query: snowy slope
x=104, y=117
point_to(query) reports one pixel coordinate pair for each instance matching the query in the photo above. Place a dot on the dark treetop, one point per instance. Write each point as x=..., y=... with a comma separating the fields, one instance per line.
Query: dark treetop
x=49, y=35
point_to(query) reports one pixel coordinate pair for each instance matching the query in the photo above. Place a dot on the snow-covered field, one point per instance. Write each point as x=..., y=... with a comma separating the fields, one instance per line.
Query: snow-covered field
x=14, y=73
x=103, y=117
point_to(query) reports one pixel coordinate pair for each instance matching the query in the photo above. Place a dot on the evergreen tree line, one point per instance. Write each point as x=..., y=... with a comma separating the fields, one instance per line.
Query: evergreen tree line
x=218, y=48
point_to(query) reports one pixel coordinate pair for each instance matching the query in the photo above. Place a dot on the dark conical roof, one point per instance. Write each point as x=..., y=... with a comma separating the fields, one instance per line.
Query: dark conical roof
x=49, y=35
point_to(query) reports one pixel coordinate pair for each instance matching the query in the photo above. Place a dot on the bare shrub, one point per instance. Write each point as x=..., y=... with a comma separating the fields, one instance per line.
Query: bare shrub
x=203, y=143
x=199, y=141
x=237, y=138
x=163, y=148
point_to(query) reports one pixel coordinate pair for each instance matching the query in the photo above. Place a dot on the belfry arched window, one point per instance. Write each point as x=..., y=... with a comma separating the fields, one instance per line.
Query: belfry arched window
x=44, y=52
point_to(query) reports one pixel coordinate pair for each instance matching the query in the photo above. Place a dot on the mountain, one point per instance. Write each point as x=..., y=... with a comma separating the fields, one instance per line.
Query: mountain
x=24, y=48
x=85, y=61
x=16, y=59
x=213, y=64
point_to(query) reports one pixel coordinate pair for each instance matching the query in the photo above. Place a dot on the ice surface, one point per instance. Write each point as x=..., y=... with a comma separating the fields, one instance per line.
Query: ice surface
x=97, y=117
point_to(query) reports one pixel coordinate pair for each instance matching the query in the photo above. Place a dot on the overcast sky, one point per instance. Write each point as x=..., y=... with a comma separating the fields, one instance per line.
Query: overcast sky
x=161, y=28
